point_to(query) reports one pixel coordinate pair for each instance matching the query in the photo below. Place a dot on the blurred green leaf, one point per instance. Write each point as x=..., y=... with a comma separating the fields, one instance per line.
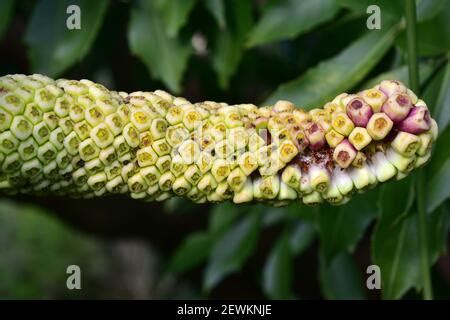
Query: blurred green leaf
x=277, y=272
x=396, y=198
x=390, y=8
x=340, y=228
x=401, y=74
x=302, y=236
x=438, y=185
x=217, y=9
x=433, y=87
x=299, y=210
x=440, y=155
x=36, y=250
x=193, y=251
x=435, y=95
x=331, y=77
x=289, y=18
x=433, y=35
x=428, y=9
x=195, y=248
x=438, y=231
x=175, y=14
x=231, y=251
x=438, y=170
x=229, y=44
x=341, y=279
x=437, y=188
x=395, y=242
x=52, y=46
x=441, y=109
x=272, y=215
x=395, y=249
x=166, y=58
x=222, y=216
x=177, y=205
x=6, y=9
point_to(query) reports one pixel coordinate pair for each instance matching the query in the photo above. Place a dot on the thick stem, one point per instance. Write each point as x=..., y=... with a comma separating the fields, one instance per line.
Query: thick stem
x=410, y=13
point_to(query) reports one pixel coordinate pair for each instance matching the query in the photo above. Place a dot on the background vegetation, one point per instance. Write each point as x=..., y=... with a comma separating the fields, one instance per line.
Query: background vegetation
x=306, y=51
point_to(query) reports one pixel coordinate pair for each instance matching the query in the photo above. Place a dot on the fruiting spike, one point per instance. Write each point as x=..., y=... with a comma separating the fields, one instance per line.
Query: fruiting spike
x=77, y=138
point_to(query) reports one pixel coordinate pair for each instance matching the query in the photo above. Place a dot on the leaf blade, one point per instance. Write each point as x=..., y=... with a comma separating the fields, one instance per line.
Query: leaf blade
x=442, y=107
x=229, y=44
x=341, y=229
x=301, y=237
x=323, y=82
x=277, y=272
x=168, y=60
x=175, y=14
x=290, y=18
x=232, y=249
x=193, y=251
x=340, y=279
x=6, y=8
x=52, y=47
x=217, y=9
x=401, y=74
x=390, y=8
x=437, y=190
x=395, y=244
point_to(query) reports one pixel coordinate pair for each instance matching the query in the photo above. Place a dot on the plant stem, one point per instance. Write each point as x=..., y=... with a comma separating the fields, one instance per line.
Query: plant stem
x=410, y=14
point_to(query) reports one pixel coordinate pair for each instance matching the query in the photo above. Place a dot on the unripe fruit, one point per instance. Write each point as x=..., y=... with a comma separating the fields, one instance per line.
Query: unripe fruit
x=397, y=107
x=417, y=121
x=77, y=138
x=359, y=111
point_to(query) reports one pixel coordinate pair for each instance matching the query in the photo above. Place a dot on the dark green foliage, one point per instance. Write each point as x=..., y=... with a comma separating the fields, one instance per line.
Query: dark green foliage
x=238, y=51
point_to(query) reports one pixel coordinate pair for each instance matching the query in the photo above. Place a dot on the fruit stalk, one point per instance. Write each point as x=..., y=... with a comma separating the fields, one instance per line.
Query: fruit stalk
x=79, y=139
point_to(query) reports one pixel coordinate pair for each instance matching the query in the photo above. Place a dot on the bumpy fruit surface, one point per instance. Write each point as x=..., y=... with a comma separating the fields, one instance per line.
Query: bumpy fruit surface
x=77, y=138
